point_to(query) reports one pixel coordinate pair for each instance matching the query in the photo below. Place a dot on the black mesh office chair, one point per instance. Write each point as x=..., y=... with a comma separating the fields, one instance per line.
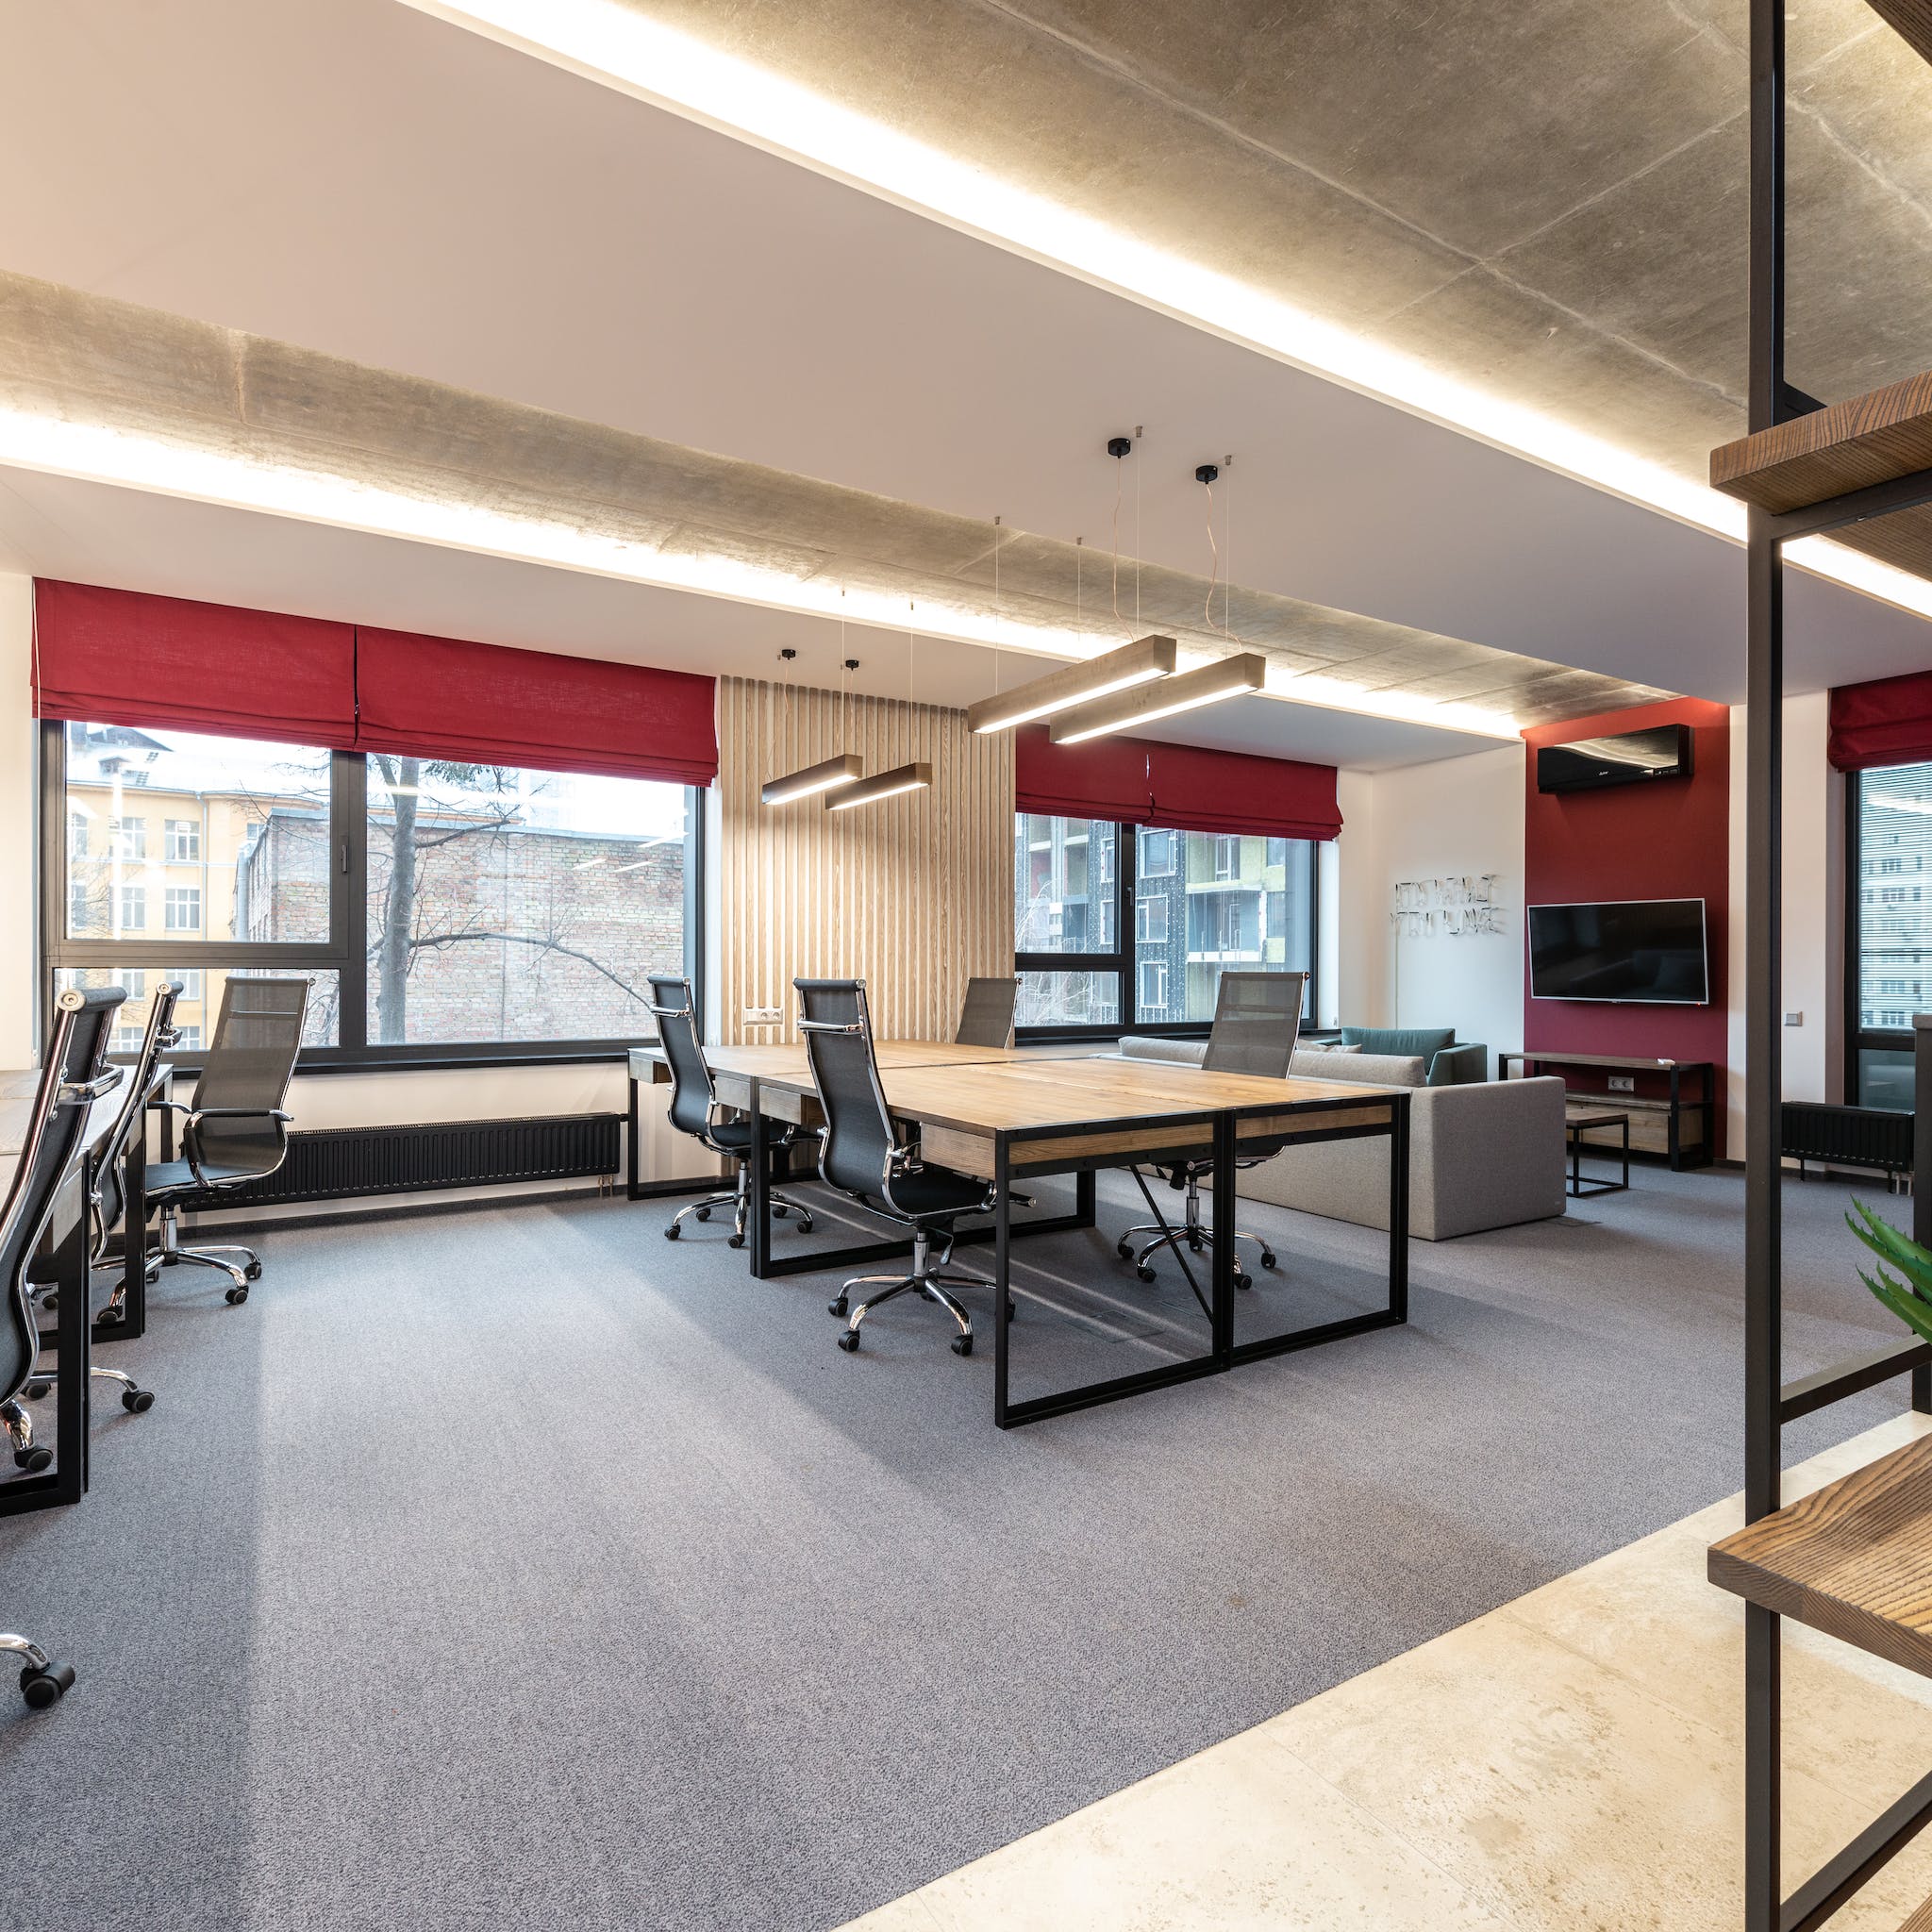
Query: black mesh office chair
x=234, y=1130
x=73, y=1075
x=1256, y=1017
x=695, y=1111
x=986, y=1018
x=861, y=1155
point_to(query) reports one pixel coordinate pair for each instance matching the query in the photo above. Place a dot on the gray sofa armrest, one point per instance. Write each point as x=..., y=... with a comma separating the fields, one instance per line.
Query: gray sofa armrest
x=1146, y=1046
x=1457, y=1065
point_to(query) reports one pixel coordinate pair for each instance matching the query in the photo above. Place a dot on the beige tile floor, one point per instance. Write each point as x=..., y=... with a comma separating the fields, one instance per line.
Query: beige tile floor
x=1573, y=1763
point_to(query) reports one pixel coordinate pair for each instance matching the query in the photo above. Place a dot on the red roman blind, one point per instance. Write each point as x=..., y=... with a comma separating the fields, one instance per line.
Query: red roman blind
x=1145, y=782
x=1196, y=790
x=439, y=697
x=1888, y=722
x=1105, y=778
x=125, y=657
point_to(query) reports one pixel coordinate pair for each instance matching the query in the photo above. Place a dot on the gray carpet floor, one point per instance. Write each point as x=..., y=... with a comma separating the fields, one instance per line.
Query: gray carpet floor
x=517, y=1568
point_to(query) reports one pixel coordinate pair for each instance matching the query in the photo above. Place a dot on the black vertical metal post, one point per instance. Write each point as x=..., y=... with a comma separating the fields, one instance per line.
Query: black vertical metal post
x=1002, y=1252
x=71, y=1370
x=758, y=1174
x=1398, y=1208
x=1921, y=1158
x=1221, y=1251
x=1763, y=991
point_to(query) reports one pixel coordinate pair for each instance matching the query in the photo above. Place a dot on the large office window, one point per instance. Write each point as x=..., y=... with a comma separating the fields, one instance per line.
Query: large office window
x=1195, y=903
x=1888, y=950
x=442, y=910
x=512, y=905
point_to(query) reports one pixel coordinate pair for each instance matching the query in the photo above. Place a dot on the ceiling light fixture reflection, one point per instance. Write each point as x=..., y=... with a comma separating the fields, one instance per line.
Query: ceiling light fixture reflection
x=1139, y=662
x=828, y=775
x=886, y=785
x=1228, y=677
x=609, y=42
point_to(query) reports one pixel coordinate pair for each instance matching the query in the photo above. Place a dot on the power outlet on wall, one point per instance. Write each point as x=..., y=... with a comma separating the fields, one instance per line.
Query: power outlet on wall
x=1623, y=1083
x=763, y=1016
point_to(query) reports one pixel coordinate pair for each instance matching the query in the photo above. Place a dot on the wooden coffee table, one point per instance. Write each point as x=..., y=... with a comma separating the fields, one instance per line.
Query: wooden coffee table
x=1580, y=1120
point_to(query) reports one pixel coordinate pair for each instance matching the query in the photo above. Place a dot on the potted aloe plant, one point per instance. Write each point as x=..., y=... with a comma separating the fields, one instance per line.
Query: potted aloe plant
x=1911, y=1299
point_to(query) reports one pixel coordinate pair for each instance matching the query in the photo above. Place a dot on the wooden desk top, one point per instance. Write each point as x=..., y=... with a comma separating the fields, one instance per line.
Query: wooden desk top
x=786, y=1065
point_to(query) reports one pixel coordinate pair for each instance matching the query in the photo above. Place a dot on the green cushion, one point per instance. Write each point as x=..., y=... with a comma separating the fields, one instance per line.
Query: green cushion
x=1462, y=1065
x=1418, y=1043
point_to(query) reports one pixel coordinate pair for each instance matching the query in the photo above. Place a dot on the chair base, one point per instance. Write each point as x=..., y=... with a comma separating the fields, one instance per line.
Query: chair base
x=738, y=1200
x=17, y=1429
x=171, y=1253
x=1198, y=1237
x=925, y=1279
x=134, y=1398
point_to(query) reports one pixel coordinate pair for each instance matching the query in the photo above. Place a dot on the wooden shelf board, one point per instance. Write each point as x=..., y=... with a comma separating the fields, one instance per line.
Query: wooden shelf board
x=1911, y=20
x=1853, y=1560
x=1921, y=1921
x=1872, y=439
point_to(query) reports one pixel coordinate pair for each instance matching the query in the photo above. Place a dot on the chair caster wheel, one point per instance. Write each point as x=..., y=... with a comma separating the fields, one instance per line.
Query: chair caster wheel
x=1267, y=1257
x=35, y=1460
x=962, y=1344
x=804, y=1224
x=42, y=1688
x=671, y=1232
x=1194, y=1247
x=734, y=1240
x=236, y=1296
x=51, y=1303
x=1243, y=1281
x=1145, y=1272
x=136, y=1401
x=253, y=1271
x=703, y=1214
x=849, y=1342
x=839, y=1308
x=779, y=1210
x=1124, y=1250
x=37, y=1391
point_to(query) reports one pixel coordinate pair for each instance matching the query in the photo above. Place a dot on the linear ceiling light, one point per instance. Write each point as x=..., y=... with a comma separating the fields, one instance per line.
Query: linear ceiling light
x=609, y=42
x=1137, y=663
x=828, y=775
x=1228, y=677
x=887, y=785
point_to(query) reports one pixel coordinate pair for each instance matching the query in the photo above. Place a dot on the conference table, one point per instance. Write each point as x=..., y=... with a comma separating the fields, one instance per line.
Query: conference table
x=1005, y=1115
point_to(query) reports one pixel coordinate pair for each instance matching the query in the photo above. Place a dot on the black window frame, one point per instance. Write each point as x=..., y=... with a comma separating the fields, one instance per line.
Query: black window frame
x=1121, y=962
x=1857, y=1037
x=344, y=952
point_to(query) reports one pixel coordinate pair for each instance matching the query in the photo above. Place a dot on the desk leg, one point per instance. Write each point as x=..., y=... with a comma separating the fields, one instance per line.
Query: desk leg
x=759, y=1233
x=1084, y=1193
x=70, y=1375
x=1398, y=1211
x=631, y=1190
x=1222, y=1249
x=125, y=1319
x=1002, y=1256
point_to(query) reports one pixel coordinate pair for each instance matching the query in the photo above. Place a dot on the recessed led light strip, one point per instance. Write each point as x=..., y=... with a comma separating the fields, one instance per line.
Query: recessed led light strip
x=608, y=42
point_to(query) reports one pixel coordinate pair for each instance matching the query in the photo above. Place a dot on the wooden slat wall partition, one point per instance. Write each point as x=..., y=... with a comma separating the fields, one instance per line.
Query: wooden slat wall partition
x=914, y=896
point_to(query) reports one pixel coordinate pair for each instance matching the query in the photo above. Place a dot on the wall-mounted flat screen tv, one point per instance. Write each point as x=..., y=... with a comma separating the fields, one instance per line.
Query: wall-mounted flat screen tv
x=1646, y=952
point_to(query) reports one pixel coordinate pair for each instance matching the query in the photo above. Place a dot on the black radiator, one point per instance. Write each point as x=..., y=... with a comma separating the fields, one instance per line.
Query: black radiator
x=339, y=1163
x=1853, y=1136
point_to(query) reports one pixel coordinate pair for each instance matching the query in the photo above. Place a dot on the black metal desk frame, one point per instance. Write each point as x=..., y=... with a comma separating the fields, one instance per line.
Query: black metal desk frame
x=1223, y=1352
x=1580, y=1188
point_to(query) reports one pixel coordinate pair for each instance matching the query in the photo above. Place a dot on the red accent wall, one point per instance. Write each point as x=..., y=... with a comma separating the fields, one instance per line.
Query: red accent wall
x=1636, y=842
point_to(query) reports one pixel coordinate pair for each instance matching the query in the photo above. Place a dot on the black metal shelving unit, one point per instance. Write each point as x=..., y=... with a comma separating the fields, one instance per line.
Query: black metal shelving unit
x=1770, y=1402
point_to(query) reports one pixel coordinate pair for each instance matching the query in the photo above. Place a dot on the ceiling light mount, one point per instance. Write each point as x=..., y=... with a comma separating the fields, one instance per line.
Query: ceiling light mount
x=1207, y=473
x=1118, y=446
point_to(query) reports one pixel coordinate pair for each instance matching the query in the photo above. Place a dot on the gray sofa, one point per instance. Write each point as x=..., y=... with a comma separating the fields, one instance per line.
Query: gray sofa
x=1482, y=1154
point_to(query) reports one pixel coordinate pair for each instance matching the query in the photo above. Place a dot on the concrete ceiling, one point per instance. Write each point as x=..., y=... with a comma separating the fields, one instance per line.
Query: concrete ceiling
x=384, y=188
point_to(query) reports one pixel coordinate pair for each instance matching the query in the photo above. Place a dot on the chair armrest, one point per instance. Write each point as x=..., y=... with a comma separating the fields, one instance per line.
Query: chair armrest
x=191, y=1139
x=1460, y=1065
